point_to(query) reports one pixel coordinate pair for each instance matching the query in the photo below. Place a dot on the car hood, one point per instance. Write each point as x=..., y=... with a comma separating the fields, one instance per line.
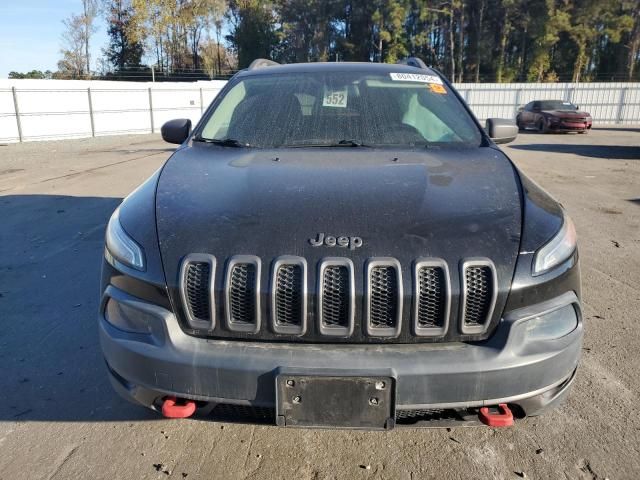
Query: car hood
x=447, y=203
x=567, y=113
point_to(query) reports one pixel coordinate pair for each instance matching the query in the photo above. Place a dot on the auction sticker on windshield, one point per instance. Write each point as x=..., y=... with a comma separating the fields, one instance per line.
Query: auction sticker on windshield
x=415, y=77
x=335, y=98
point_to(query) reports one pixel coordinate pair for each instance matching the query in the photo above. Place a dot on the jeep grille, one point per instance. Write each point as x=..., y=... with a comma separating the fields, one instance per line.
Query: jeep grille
x=347, y=302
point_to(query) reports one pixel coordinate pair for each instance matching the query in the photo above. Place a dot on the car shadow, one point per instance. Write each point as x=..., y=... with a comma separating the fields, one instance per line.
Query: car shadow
x=613, y=152
x=619, y=129
x=49, y=287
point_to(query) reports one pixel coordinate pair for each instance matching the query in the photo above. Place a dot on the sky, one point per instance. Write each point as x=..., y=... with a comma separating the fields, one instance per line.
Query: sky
x=31, y=31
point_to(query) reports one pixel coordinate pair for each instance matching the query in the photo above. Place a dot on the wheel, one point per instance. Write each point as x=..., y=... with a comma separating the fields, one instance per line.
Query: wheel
x=519, y=124
x=542, y=126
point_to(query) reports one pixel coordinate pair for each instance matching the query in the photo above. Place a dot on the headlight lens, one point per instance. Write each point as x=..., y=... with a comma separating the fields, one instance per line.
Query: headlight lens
x=120, y=246
x=557, y=250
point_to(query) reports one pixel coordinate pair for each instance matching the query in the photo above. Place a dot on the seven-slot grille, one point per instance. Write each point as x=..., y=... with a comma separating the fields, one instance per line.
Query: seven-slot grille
x=335, y=299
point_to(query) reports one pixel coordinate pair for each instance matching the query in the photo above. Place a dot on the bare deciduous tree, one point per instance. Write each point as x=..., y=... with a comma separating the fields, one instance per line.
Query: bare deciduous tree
x=74, y=60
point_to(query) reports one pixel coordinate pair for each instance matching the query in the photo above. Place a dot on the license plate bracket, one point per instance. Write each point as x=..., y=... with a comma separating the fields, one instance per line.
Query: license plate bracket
x=326, y=401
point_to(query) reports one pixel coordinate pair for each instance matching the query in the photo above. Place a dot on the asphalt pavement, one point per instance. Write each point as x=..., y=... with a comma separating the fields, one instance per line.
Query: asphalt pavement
x=60, y=419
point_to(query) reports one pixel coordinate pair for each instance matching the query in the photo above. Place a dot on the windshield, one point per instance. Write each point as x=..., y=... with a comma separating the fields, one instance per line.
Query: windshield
x=557, y=105
x=340, y=109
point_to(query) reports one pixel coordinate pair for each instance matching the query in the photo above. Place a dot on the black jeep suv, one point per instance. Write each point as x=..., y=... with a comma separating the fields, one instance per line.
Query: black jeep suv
x=341, y=245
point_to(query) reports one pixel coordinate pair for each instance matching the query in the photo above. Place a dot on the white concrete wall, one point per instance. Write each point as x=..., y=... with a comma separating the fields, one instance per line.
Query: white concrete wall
x=56, y=109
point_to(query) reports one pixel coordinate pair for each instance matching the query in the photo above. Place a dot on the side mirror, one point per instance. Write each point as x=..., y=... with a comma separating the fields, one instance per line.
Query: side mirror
x=501, y=130
x=176, y=131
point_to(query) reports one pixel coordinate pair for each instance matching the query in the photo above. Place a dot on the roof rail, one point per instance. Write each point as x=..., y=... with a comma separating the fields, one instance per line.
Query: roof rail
x=262, y=62
x=413, y=62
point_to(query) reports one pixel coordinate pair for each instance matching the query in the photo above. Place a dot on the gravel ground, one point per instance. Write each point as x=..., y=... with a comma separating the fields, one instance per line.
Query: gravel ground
x=60, y=419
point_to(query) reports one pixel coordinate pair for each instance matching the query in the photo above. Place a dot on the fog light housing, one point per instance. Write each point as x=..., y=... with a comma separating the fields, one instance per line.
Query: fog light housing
x=127, y=318
x=552, y=325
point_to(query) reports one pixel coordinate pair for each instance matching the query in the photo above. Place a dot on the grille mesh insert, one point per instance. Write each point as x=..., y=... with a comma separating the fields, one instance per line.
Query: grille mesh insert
x=383, y=297
x=197, y=289
x=408, y=417
x=431, y=297
x=288, y=295
x=335, y=296
x=242, y=293
x=479, y=286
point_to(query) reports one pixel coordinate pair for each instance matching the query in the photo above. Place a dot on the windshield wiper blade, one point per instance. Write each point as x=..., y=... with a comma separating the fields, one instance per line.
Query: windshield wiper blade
x=341, y=143
x=349, y=143
x=224, y=142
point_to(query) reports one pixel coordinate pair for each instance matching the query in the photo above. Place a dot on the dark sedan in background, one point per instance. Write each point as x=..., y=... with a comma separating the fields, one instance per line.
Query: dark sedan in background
x=553, y=116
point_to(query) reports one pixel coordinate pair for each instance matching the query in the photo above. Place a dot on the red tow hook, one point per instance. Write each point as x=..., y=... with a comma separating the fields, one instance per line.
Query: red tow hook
x=171, y=410
x=502, y=419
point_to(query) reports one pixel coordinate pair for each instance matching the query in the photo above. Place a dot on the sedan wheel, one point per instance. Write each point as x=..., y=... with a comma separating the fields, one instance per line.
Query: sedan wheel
x=542, y=126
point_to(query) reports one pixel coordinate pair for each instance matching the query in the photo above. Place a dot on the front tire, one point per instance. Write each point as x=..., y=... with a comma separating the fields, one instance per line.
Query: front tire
x=542, y=126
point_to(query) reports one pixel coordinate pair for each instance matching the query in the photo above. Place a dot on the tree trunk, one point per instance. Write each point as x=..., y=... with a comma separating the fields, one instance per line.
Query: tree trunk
x=218, y=27
x=452, y=43
x=503, y=46
x=85, y=6
x=461, y=43
x=479, y=36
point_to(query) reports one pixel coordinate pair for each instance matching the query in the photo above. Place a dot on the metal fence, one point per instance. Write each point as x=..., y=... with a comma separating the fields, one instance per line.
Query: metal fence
x=38, y=111
x=609, y=103
x=57, y=109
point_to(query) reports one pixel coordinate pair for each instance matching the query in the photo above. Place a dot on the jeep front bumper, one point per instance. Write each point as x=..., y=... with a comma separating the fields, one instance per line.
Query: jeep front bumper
x=508, y=368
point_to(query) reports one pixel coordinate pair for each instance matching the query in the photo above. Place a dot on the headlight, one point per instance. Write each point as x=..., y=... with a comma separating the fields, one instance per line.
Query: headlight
x=557, y=250
x=120, y=246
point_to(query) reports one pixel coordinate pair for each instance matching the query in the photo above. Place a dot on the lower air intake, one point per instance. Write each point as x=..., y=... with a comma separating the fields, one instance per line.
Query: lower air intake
x=228, y=412
x=435, y=415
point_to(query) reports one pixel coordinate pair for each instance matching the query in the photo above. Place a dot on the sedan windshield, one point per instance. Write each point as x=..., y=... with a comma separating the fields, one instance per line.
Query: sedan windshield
x=339, y=109
x=557, y=105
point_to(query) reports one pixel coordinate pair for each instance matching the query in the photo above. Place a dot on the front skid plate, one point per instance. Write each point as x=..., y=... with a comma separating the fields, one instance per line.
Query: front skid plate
x=335, y=402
